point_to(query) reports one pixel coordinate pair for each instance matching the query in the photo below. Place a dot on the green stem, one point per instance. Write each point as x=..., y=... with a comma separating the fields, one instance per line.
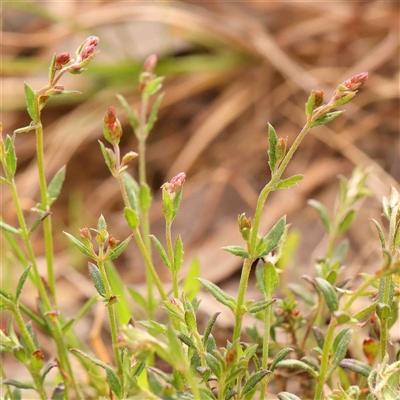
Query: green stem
x=111, y=315
x=47, y=226
x=32, y=348
x=240, y=300
x=168, y=237
x=149, y=265
x=325, y=360
x=267, y=324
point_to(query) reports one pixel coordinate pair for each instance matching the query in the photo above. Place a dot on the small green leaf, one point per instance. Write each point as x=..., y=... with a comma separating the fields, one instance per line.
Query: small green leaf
x=339, y=351
x=137, y=297
x=107, y=158
x=9, y=228
x=344, y=99
x=383, y=311
x=253, y=381
x=218, y=293
x=209, y=326
x=366, y=312
x=237, y=251
x=267, y=279
x=273, y=140
x=260, y=306
x=323, y=213
x=114, y=382
x=356, y=366
x=190, y=320
x=37, y=360
x=346, y=221
x=30, y=102
x=302, y=292
x=144, y=197
x=214, y=364
x=279, y=357
x=82, y=354
x=310, y=104
x=330, y=295
x=327, y=118
x=186, y=339
x=17, y=384
x=19, y=353
x=161, y=251
x=21, y=282
x=168, y=206
x=380, y=232
x=114, y=253
x=274, y=236
x=191, y=285
x=131, y=218
x=133, y=120
x=132, y=189
x=54, y=188
x=286, y=183
x=153, y=114
x=287, y=396
x=153, y=86
x=82, y=248
x=97, y=279
x=101, y=223
x=319, y=336
x=297, y=364
x=178, y=254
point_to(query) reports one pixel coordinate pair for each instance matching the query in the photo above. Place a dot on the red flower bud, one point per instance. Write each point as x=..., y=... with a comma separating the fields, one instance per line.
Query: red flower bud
x=112, y=242
x=112, y=127
x=150, y=63
x=175, y=184
x=356, y=81
x=62, y=59
x=87, y=51
x=85, y=233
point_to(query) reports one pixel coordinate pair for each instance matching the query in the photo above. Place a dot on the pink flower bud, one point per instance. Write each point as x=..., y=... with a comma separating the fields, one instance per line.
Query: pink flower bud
x=356, y=81
x=150, y=63
x=87, y=51
x=112, y=242
x=85, y=233
x=175, y=184
x=112, y=126
x=62, y=59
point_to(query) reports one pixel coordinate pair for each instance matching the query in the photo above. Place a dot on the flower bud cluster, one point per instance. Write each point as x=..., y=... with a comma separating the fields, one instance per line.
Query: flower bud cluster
x=112, y=127
x=176, y=183
x=348, y=89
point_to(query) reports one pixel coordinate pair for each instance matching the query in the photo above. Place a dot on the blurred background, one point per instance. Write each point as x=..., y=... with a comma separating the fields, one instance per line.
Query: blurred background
x=230, y=67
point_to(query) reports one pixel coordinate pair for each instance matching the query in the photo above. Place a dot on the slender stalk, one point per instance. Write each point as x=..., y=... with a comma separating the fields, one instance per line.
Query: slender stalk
x=240, y=300
x=325, y=360
x=267, y=324
x=32, y=348
x=150, y=267
x=111, y=315
x=171, y=258
x=47, y=226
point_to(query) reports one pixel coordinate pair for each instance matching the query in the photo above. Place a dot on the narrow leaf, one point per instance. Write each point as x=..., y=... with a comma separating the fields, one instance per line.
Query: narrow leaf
x=191, y=285
x=214, y=364
x=9, y=228
x=327, y=118
x=346, y=221
x=137, y=297
x=356, y=366
x=274, y=236
x=323, y=213
x=17, y=384
x=279, y=357
x=237, y=251
x=253, y=381
x=30, y=102
x=114, y=253
x=260, y=306
x=218, y=293
x=366, y=312
x=273, y=140
x=161, y=251
x=131, y=218
x=106, y=156
x=186, y=339
x=80, y=353
x=287, y=396
x=286, y=183
x=340, y=351
x=380, y=232
x=209, y=326
x=144, y=197
x=97, y=279
x=21, y=282
x=310, y=104
x=330, y=296
x=178, y=254
x=132, y=189
x=267, y=279
x=297, y=364
x=128, y=111
x=82, y=248
x=114, y=382
x=54, y=188
x=153, y=114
